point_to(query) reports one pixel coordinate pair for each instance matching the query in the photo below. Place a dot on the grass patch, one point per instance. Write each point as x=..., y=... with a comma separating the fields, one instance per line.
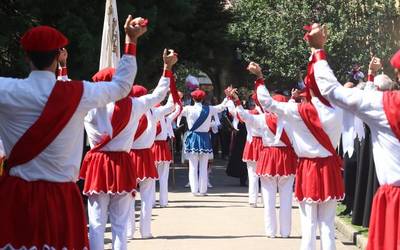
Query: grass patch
x=347, y=219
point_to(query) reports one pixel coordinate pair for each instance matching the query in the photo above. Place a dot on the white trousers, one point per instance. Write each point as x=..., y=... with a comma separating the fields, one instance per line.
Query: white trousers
x=163, y=174
x=117, y=207
x=253, y=181
x=147, y=197
x=198, y=174
x=323, y=216
x=269, y=186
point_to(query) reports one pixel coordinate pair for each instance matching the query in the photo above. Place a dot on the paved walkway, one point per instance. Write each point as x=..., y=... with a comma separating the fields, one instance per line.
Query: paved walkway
x=222, y=220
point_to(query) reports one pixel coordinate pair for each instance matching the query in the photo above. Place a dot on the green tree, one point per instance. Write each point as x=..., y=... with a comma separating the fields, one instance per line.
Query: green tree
x=197, y=29
x=270, y=32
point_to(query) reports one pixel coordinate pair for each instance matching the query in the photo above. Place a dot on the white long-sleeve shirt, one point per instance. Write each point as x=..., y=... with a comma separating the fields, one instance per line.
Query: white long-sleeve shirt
x=22, y=102
x=98, y=121
x=166, y=125
x=192, y=113
x=258, y=123
x=303, y=142
x=153, y=115
x=368, y=106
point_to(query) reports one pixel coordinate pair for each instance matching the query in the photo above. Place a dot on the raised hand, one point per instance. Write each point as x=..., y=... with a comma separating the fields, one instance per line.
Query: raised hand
x=228, y=91
x=134, y=28
x=318, y=36
x=255, y=69
x=170, y=58
x=234, y=94
x=62, y=58
x=374, y=65
x=295, y=93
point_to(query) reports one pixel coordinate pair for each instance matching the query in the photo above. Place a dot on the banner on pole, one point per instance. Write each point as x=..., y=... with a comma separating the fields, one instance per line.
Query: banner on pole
x=110, y=45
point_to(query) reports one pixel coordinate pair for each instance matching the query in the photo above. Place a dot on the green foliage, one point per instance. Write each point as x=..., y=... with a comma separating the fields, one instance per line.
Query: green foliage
x=197, y=29
x=80, y=21
x=270, y=32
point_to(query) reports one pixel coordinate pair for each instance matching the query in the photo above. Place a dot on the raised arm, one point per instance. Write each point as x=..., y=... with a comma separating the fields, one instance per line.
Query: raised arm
x=252, y=120
x=98, y=95
x=166, y=109
x=175, y=114
x=220, y=107
x=265, y=99
x=62, y=73
x=160, y=92
x=350, y=99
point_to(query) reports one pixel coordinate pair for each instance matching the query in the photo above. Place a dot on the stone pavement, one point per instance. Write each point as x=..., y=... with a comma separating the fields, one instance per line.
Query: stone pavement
x=220, y=221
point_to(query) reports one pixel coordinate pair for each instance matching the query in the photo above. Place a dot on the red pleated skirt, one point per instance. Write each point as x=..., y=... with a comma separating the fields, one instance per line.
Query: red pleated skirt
x=41, y=215
x=143, y=160
x=319, y=180
x=384, y=228
x=108, y=172
x=276, y=161
x=161, y=151
x=252, y=150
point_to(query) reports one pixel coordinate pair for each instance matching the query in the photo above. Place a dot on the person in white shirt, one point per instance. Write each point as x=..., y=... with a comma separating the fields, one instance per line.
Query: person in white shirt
x=276, y=167
x=319, y=184
x=108, y=170
x=142, y=156
x=379, y=110
x=252, y=150
x=41, y=128
x=198, y=148
x=162, y=152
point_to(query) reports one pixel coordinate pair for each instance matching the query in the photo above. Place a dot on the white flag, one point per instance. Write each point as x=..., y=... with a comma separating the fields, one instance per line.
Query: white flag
x=110, y=48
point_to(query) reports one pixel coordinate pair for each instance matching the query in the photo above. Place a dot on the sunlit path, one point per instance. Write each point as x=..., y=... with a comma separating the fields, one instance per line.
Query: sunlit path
x=221, y=220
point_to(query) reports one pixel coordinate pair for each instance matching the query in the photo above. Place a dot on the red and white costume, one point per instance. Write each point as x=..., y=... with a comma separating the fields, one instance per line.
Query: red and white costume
x=251, y=152
x=162, y=152
x=379, y=110
x=318, y=178
x=107, y=168
x=142, y=155
x=41, y=128
x=276, y=167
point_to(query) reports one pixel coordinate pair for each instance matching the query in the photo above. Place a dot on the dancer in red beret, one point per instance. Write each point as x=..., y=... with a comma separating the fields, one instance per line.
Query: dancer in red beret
x=276, y=167
x=252, y=148
x=198, y=146
x=380, y=111
x=142, y=141
x=162, y=152
x=41, y=127
x=314, y=130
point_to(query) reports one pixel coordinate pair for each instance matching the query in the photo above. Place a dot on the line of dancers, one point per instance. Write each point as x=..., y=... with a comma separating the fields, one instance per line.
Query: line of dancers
x=41, y=127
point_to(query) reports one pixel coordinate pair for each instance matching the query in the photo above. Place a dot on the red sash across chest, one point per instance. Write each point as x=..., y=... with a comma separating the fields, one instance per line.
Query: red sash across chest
x=271, y=121
x=119, y=120
x=310, y=118
x=57, y=112
x=391, y=104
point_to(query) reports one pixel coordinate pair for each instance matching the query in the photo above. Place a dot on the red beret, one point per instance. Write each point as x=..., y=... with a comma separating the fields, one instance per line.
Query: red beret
x=395, y=61
x=198, y=95
x=138, y=91
x=105, y=75
x=279, y=98
x=43, y=39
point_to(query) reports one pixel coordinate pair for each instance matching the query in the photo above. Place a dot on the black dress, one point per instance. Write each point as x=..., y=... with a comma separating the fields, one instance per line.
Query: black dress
x=366, y=182
x=236, y=167
x=350, y=174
